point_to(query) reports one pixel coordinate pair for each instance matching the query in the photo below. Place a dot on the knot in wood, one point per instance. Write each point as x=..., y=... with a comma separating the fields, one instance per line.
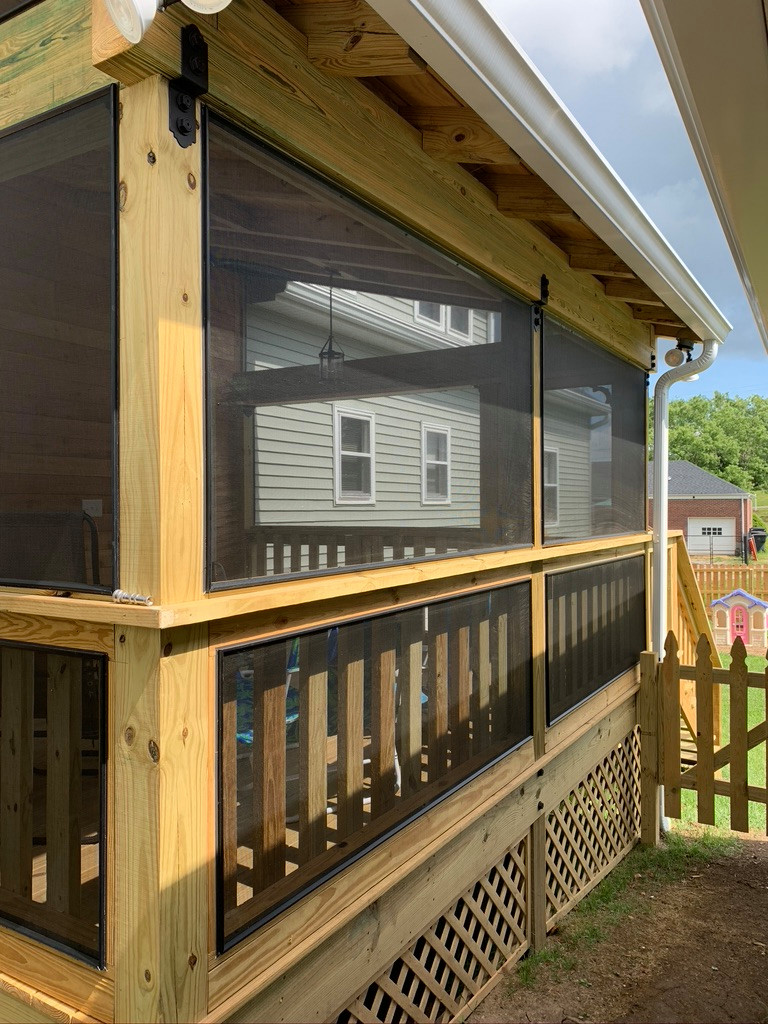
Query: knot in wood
x=129, y=735
x=353, y=40
x=154, y=751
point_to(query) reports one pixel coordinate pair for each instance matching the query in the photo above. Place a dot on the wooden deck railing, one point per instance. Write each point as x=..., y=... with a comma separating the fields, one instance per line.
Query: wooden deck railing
x=718, y=580
x=278, y=550
x=50, y=794
x=331, y=738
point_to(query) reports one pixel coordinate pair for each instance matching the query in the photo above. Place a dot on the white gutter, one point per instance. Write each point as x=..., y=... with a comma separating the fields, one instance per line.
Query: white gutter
x=661, y=485
x=481, y=61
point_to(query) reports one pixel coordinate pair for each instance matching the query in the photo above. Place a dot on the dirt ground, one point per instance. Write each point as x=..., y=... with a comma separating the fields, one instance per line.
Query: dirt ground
x=699, y=954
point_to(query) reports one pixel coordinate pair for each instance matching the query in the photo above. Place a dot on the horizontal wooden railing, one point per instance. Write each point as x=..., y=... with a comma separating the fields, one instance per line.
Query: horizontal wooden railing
x=718, y=580
x=279, y=550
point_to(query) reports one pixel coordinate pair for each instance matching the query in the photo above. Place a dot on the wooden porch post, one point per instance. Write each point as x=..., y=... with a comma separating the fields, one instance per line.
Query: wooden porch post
x=648, y=719
x=159, y=702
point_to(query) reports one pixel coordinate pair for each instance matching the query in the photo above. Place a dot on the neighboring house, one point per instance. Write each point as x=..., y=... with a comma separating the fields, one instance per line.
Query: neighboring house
x=713, y=514
x=739, y=614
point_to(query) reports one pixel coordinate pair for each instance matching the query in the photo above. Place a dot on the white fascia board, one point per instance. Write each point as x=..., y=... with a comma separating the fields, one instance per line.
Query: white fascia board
x=479, y=59
x=717, y=166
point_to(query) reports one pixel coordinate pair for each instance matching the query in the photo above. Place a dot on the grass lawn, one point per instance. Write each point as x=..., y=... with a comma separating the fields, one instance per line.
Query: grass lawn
x=755, y=757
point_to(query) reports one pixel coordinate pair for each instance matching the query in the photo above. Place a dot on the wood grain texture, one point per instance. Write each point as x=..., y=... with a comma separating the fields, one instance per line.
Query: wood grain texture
x=63, y=792
x=16, y=745
x=739, y=746
x=648, y=720
x=161, y=425
x=261, y=77
x=45, y=59
x=160, y=850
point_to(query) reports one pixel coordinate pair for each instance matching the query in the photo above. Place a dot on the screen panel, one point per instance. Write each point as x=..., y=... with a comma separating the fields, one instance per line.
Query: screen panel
x=335, y=340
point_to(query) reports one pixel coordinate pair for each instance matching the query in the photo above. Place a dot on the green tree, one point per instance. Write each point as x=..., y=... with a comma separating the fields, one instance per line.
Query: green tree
x=723, y=435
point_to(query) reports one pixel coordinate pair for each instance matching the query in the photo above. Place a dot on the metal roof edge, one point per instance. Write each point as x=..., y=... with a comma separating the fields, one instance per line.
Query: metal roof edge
x=481, y=61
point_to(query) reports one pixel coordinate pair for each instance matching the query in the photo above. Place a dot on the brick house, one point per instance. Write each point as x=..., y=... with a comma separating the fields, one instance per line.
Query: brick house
x=713, y=514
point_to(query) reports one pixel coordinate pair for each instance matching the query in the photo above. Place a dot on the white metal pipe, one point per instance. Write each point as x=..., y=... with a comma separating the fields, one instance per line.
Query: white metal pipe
x=661, y=484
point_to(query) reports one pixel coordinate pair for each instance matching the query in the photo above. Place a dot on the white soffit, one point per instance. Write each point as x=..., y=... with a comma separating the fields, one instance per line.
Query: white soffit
x=462, y=41
x=715, y=53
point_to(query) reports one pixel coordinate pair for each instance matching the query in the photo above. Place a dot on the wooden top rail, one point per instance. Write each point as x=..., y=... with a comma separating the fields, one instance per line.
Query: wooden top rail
x=465, y=572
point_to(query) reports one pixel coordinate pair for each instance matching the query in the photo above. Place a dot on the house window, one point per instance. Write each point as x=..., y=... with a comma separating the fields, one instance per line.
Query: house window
x=593, y=413
x=435, y=465
x=354, y=457
x=431, y=312
x=293, y=488
x=332, y=739
x=712, y=531
x=494, y=327
x=460, y=320
x=58, y=342
x=595, y=629
x=550, y=468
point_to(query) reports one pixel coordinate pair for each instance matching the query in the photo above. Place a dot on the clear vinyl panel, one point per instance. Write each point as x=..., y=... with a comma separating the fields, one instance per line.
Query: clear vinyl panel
x=57, y=349
x=593, y=439
x=331, y=740
x=595, y=629
x=369, y=400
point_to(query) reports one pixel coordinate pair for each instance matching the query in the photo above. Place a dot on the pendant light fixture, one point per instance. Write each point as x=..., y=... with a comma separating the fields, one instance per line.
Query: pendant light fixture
x=331, y=356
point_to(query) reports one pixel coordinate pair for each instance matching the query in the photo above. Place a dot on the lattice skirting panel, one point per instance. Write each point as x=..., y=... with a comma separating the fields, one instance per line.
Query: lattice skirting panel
x=453, y=960
x=593, y=827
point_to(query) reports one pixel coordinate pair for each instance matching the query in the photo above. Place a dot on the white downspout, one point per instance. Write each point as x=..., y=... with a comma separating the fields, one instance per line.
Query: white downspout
x=661, y=502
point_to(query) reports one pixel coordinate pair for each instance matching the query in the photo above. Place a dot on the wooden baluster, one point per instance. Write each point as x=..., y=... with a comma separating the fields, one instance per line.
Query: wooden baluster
x=670, y=727
x=398, y=548
x=269, y=685
x=63, y=783
x=459, y=688
x=278, y=555
x=437, y=693
x=383, y=664
x=296, y=552
x=313, y=745
x=500, y=674
x=260, y=555
x=705, y=749
x=350, y=717
x=738, y=784
x=409, y=740
x=16, y=745
x=765, y=776
x=481, y=671
x=572, y=640
x=229, y=822
x=313, y=553
x=332, y=551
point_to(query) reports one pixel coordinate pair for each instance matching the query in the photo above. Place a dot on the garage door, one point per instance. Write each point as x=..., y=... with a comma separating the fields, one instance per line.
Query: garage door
x=711, y=536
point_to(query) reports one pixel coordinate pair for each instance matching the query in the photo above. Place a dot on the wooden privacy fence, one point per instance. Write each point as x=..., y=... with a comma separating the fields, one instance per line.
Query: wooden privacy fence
x=660, y=707
x=717, y=580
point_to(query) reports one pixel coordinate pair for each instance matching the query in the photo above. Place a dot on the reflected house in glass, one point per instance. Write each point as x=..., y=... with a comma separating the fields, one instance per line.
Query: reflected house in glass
x=318, y=676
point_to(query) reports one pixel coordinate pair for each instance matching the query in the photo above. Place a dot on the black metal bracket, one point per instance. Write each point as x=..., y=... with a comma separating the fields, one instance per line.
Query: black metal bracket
x=191, y=83
x=544, y=290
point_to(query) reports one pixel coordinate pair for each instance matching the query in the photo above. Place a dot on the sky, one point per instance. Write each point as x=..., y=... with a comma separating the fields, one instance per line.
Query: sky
x=603, y=65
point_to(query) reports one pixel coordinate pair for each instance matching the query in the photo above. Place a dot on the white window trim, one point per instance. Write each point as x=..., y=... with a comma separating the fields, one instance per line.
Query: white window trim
x=338, y=497
x=556, y=485
x=435, y=428
x=436, y=325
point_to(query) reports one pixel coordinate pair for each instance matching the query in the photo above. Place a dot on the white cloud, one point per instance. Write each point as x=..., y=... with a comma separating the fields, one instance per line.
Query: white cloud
x=587, y=37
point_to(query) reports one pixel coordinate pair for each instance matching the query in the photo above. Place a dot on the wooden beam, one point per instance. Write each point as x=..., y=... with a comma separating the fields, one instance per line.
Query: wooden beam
x=528, y=197
x=631, y=291
x=594, y=257
x=458, y=134
x=656, y=315
x=377, y=375
x=347, y=37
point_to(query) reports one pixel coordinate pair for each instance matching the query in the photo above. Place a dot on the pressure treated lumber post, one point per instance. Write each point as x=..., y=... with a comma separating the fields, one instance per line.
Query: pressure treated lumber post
x=537, y=886
x=648, y=720
x=160, y=854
